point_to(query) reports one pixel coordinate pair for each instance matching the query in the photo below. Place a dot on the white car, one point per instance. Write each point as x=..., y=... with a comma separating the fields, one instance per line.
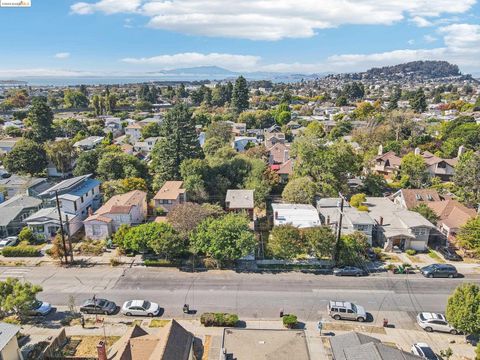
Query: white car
x=9, y=241
x=140, y=308
x=435, y=322
x=423, y=350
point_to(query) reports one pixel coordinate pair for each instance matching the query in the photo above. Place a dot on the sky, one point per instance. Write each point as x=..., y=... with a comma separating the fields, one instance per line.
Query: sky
x=125, y=37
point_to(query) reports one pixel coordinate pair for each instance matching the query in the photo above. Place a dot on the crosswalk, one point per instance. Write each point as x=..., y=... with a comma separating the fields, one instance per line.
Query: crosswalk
x=13, y=272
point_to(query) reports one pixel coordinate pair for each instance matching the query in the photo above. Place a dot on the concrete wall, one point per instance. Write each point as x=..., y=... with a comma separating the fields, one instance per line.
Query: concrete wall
x=11, y=351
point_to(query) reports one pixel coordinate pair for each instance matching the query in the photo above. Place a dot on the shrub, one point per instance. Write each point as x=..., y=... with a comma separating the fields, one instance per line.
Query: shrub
x=410, y=252
x=363, y=208
x=92, y=247
x=219, y=319
x=378, y=251
x=289, y=321
x=159, y=262
x=26, y=234
x=115, y=262
x=20, y=251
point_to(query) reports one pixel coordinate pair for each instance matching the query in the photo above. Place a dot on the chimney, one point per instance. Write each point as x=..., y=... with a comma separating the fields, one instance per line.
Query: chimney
x=381, y=220
x=90, y=211
x=417, y=151
x=461, y=151
x=285, y=155
x=380, y=150
x=101, y=350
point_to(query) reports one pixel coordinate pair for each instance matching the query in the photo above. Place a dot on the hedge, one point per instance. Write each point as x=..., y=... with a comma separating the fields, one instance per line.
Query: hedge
x=21, y=251
x=289, y=321
x=159, y=263
x=219, y=319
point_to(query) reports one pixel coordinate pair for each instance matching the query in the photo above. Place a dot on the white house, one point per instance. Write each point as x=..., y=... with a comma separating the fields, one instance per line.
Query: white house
x=241, y=142
x=298, y=215
x=9, y=349
x=129, y=209
x=88, y=143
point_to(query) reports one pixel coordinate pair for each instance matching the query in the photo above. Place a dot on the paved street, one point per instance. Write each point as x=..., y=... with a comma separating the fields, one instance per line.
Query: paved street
x=250, y=295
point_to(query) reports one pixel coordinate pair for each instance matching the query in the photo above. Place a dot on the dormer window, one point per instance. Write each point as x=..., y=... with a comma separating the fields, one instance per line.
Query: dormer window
x=418, y=197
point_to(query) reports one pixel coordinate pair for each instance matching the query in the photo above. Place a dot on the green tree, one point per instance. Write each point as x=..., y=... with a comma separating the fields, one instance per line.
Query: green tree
x=26, y=234
x=426, y=212
x=151, y=130
x=40, y=118
x=26, y=157
x=87, y=163
x=320, y=241
x=352, y=249
x=300, y=191
x=467, y=178
x=187, y=216
x=374, y=184
x=286, y=242
x=61, y=154
x=463, y=308
x=75, y=99
x=13, y=131
x=219, y=130
x=118, y=165
x=224, y=239
x=17, y=296
x=119, y=236
x=240, y=95
x=469, y=235
x=419, y=102
x=179, y=142
x=122, y=186
x=414, y=167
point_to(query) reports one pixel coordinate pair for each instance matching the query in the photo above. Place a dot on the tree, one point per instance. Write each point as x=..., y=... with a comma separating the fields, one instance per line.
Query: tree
x=118, y=165
x=286, y=242
x=414, y=167
x=26, y=157
x=374, y=184
x=26, y=234
x=357, y=200
x=467, y=178
x=75, y=99
x=219, y=130
x=179, y=142
x=352, y=249
x=57, y=251
x=463, y=308
x=87, y=163
x=122, y=186
x=119, y=236
x=224, y=239
x=40, y=118
x=469, y=235
x=151, y=130
x=240, y=95
x=320, y=241
x=300, y=191
x=418, y=102
x=426, y=212
x=17, y=296
x=61, y=154
x=13, y=131
x=187, y=216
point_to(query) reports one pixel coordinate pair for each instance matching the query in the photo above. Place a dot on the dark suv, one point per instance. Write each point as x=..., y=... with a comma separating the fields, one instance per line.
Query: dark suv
x=439, y=270
x=449, y=254
x=98, y=306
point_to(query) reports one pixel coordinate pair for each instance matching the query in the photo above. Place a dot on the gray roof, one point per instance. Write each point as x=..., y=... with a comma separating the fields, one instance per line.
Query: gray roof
x=239, y=199
x=330, y=207
x=8, y=214
x=22, y=200
x=7, y=332
x=65, y=184
x=47, y=215
x=20, y=182
x=356, y=346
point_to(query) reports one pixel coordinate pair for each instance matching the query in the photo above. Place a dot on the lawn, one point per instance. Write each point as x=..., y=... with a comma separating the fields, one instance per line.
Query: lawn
x=87, y=346
x=435, y=256
x=415, y=259
x=158, y=323
x=340, y=326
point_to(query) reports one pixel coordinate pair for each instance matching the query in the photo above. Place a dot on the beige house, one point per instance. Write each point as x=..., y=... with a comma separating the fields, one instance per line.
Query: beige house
x=452, y=216
x=129, y=209
x=169, y=195
x=9, y=349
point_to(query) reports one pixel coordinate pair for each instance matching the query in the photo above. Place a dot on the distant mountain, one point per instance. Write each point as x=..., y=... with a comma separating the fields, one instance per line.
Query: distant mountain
x=415, y=70
x=198, y=71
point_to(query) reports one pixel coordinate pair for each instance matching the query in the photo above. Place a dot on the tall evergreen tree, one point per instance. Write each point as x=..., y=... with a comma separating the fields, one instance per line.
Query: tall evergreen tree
x=240, y=95
x=419, y=102
x=40, y=117
x=179, y=142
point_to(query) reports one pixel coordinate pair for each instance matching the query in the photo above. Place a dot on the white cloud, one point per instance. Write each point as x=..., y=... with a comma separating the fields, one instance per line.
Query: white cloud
x=9, y=73
x=62, y=55
x=272, y=20
x=229, y=61
x=429, y=38
x=411, y=42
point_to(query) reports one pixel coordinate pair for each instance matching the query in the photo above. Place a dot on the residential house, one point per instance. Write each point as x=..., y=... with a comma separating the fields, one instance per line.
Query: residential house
x=274, y=138
x=353, y=219
x=396, y=226
x=88, y=143
x=410, y=198
x=387, y=164
x=356, y=346
x=298, y=215
x=113, y=125
x=452, y=216
x=134, y=131
x=7, y=144
x=279, y=153
x=438, y=167
x=284, y=170
x=17, y=184
x=145, y=146
x=126, y=209
x=172, y=342
x=9, y=349
x=78, y=197
x=14, y=211
x=240, y=201
x=169, y=195
x=241, y=143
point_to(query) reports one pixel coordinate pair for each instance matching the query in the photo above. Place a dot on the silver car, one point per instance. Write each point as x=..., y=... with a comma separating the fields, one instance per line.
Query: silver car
x=346, y=310
x=9, y=241
x=140, y=308
x=435, y=322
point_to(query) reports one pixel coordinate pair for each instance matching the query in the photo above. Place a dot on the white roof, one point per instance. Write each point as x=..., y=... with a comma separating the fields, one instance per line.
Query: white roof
x=298, y=215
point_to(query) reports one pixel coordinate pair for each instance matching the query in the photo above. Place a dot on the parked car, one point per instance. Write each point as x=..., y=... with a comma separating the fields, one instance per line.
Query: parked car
x=140, y=308
x=98, y=306
x=349, y=271
x=40, y=308
x=449, y=254
x=9, y=241
x=435, y=322
x=439, y=270
x=423, y=350
x=346, y=310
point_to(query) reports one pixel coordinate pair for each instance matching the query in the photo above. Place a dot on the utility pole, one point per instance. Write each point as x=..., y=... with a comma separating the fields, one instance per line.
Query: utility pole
x=339, y=232
x=69, y=239
x=62, y=233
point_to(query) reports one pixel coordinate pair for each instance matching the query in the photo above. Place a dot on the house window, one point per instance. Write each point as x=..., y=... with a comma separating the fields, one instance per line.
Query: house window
x=75, y=205
x=361, y=227
x=96, y=231
x=81, y=199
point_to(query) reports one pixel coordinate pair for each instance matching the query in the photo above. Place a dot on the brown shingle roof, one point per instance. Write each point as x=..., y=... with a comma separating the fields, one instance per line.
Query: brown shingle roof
x=414, y=197
x=119, y=204
x=452, y=213
x=391, y=157
x=170, y=191
x=277, y=152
